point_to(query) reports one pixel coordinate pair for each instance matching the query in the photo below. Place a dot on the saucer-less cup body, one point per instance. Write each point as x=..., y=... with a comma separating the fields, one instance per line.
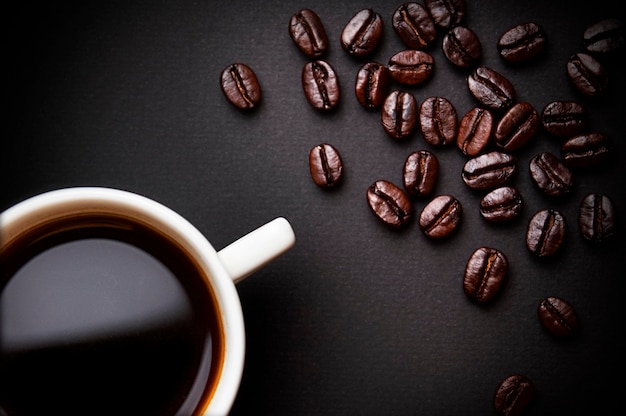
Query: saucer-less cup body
x=221, y=269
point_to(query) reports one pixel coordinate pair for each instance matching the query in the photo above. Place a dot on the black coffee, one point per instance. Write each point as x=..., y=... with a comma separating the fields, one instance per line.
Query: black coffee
x=372, y=85
x=389, y=203
x=361, y=35
x=446, y=13
x=545, y=232
x=491, y=88
x=484, y=273
x=240, y=86
x=414, y=25
x=93, y=323
x=517, y=126
x=438, y=121
x=325, y=165
x=399, y=114
x=564, y=118
x=558, y=316
x=489, y=170
x=522, y=42
x=420, y=173
x=441, y=216
x=475, y=130
x=321, y=85
x=462, y=47
x=513, y=395
x=411, y=67
x=307, y=32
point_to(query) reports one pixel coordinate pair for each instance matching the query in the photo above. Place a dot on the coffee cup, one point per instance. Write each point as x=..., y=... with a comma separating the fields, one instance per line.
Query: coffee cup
x=112, y=303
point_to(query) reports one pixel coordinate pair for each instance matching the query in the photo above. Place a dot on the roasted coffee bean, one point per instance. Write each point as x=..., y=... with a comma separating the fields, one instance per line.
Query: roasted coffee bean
x=414, y=25
x=389, y=203
x=399, y=114
x=308, y=33
x=550, y=175
x=475, y=131
x=362, y=34
x=420, y=172
x=446, y=13
x=513, y=395
x=411, y=67
x=587, y=150
x=485, y=271
x=325, y=165
x=522, y=42
x=501, y=205
x=605, y=36
x=462, y=47
x=558, y=316
x=518, y=125
x=491, y=88
x=564, y=118
x=489, y=170
x=587, y=74
x=321, y=85
x=372, y=85
x=438, y=121
x=441, y=216
x=545, y=232
x=240, y=86
x=597, y=217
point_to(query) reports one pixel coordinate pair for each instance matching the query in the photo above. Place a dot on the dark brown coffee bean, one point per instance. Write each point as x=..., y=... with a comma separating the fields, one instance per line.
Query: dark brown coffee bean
x=491, y=88
x=605, y=36
x=420, y=172
x=587, y=150
x=550, y=175
x=489, y=170
x=564, y=118
x=513, y=395
x=558, y=316
x=462, y=47
x=597, y=217
x=411, y=67
x=414, y=25
x=446, y=13
x=587, y=74
x=308, y=33
x=518, y=125
x=545, y=232
x=475, y=131
x=399, y=114
x=240, y=86
x=441, y=216
x=522, y=42
x=325, y=165
x=501, y=205
x=372, y=85
x=362, y=34
x=438, y=121
x=389, y=203
x=321, y=85
x=485, y=271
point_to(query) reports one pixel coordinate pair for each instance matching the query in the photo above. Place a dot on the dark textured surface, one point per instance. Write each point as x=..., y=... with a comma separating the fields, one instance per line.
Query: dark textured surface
x=358, y=318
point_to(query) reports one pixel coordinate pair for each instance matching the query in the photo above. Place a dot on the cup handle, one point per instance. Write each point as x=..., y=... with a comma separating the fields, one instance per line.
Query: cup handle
x=254, y=250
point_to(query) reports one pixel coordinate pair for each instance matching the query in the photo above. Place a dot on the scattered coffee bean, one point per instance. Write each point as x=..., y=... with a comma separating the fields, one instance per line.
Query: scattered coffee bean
x=420, y=172
x=438, y=121
x=372, y=85
x=489, y=170
x=564, y=118
x=462, y=47
x=321, y=85
x=308, y=33
x=518, y=125
x=597, y=217
x=501, y=205
x=484, y=273
x=475, y=131
x=558, y=316
x=605, y=36
x=587, y=150
x=411, y=67
x=513, y=395
x=362, y=34
x=587, y=74
x=446, y=13
x=399, y=114
x=522, y=42
x=389, y=203
x=325, y=165
x=240, y=86
x=545, y=232
x=550, y=175
x=414, y=25
x=491, y=88
x=441, y=216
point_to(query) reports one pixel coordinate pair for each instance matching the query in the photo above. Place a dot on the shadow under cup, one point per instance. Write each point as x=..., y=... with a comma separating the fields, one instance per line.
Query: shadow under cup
x=105, y=310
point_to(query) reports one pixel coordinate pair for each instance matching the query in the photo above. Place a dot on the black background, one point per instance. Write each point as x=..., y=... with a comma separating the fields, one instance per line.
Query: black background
x=357, y=319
